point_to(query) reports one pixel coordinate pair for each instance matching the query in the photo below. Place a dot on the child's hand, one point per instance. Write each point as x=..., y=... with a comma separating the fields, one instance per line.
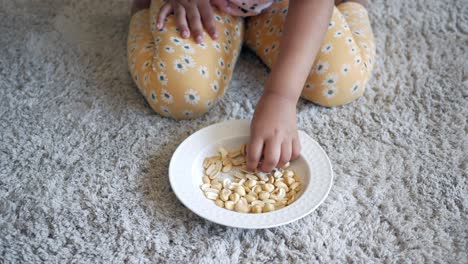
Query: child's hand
x=189, y=17
x=273, y=133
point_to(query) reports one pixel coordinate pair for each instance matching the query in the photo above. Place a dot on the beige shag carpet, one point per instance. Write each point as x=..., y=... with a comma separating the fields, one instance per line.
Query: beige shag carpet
x=83, y=159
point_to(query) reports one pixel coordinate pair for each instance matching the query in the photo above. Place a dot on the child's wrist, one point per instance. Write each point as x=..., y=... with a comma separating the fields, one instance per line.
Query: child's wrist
x=273, y=95
x=280, y=89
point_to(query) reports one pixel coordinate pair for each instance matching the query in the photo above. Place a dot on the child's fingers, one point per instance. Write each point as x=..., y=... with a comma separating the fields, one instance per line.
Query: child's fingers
x=296, y=148
x=271, y=154
x=206, y=12
x=181, y=20
x=195, y=23
x=286, y=150
x=254, y=152
x=165, y=10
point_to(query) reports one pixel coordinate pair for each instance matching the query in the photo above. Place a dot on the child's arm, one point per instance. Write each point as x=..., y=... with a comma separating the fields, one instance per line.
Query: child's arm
x=273, y=129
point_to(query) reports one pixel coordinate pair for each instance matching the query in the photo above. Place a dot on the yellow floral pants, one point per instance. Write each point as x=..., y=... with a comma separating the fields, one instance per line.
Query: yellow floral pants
x=183, y=79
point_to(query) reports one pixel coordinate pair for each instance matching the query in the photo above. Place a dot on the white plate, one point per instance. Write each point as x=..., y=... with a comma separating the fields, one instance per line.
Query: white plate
x=186, y=172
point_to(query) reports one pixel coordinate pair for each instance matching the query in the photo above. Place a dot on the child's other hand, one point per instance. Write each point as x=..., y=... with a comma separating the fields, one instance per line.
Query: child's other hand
x=273, y=133
x=191, y=17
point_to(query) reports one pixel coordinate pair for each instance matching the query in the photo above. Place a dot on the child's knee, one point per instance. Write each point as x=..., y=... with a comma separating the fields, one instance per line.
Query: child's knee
x=328, y=102
x=182, y=99
x=331, y=91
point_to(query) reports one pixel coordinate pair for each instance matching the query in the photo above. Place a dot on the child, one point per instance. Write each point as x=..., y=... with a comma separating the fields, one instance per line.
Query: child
x=327, y=54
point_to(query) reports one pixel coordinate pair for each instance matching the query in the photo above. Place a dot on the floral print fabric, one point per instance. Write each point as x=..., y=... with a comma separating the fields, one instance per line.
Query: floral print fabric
x=345, y=60
x=182, y=79
x=242, y=7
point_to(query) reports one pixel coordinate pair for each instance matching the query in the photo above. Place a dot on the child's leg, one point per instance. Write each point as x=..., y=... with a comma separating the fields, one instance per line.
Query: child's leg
x=343, y=65
x=178, y=77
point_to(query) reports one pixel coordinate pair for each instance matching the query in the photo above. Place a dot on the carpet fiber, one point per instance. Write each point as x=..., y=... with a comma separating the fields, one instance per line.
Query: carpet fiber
x=83, y=159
